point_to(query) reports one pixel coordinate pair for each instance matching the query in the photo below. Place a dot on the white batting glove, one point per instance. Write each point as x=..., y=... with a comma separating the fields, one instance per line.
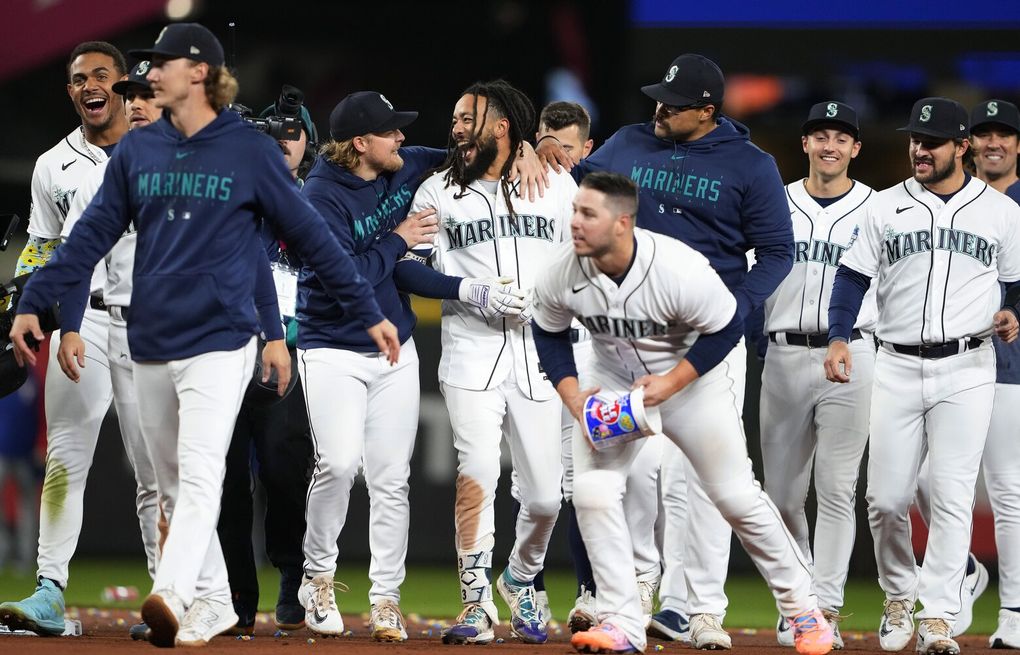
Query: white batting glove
x=528, y=311
x=494, y=296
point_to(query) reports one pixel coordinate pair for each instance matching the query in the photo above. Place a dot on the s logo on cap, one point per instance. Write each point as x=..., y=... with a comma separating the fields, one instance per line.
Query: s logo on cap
x=831, y=110
x=992, y=109
x=388, y=103
x=925, y=113
x=670, y=74
x=142, y=68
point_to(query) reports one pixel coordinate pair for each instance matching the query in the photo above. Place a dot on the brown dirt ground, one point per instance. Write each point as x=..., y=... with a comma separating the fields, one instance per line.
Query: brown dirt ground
x=105, y=631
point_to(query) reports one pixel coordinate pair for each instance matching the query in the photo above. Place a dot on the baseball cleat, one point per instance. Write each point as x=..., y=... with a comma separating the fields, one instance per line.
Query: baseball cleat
x=603, y=638
x=542, y=598
x=784, y=633
x=290, y=615
x=205, y=619
x=811, y=633
x=1007, y=635
x=322, y=616
x=162, y=611
x=473, y=626
x=935, y=637
x=668, y=624
x=897, y=626
x=525, y=620
x=646, y=590
x=833, y=617
x=707, y=633
x=41, y=613
x=582, y=617
x=974, y=584
x=387, y=622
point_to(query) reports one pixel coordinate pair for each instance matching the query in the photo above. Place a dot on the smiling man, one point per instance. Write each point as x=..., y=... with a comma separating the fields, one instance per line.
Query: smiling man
x=74, y=410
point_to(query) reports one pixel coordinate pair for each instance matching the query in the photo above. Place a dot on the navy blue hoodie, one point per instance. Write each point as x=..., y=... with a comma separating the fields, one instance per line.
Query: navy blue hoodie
x=194, y=202
x=720, y=194
x=362, y=216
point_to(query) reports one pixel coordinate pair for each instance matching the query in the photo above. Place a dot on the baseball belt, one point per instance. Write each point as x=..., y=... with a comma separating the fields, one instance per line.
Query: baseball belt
x=935, y=350
x=809, y=340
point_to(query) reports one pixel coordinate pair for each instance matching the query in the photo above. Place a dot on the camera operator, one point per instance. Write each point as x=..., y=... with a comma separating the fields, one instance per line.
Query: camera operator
x=277, y=431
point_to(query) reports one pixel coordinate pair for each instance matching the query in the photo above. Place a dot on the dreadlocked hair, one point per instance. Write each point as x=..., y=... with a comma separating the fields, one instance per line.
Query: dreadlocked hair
x=503, y=100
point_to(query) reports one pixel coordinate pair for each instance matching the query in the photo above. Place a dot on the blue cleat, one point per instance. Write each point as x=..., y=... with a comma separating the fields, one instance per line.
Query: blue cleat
x=473, y=626
x=526, y=622
x=41, y=613
x=672, y=625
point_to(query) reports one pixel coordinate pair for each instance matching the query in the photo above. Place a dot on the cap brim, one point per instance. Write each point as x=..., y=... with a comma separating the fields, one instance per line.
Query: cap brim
x=928, y=132
x=849, y=128
x=1015, y=128
x=660, y=93
x=121, y=87
x=398, y=120
x=150, y=54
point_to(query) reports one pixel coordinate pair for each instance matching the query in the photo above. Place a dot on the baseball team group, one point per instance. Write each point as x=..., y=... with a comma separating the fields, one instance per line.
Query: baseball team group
x=184, y=251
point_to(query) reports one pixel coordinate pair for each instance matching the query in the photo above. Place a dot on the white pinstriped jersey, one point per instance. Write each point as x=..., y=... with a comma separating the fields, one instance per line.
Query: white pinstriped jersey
x=821, y=235
x=648, y=323
x=120, y=261
x=478, y=238
x=56, y=177
x=938, y=265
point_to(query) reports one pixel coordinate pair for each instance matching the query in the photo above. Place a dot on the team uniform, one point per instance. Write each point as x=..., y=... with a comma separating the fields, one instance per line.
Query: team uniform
x=490, y=376
x=722, y=196
x=806, y=421
x=934, y=375
x=192, y=324
x=363, y=412
x=645, y=325
x=75, y=411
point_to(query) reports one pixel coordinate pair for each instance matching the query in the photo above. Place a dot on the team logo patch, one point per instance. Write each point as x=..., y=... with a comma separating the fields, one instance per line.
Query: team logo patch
x=992, y=109
x=142, y=68
x=195, y=51
x=388, y=104
x=706, y=94
x=670, y=74
x=831, y=110
x=925, y=113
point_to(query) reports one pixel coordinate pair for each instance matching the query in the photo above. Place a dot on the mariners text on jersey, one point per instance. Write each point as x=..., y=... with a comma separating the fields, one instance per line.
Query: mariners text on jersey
x=684, y=184
x=469, y=233
x=625, y=328
x=186, y=184
x=903, y=244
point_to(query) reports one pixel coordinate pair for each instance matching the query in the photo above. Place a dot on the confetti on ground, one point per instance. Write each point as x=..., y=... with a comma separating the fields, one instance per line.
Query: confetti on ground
x=659, y=647
x=311, y=641
x=499, y=640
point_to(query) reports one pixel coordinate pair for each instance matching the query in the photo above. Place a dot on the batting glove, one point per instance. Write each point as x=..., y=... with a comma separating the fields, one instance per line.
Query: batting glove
x=528, y=311
x=494, y=296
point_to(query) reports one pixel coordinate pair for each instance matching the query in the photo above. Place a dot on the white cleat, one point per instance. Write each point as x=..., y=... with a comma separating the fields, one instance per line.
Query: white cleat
x=387, y=622
x=542, y=600
x=1007, y=635
x=973, y=586
x=897, y=626
x=833, y=617
x=935, y=637
x=205, y=619
x=647, y=589
x=707, y=633
x=582, y=618
x=322, y=616
x=784, y=632
x=163, y=611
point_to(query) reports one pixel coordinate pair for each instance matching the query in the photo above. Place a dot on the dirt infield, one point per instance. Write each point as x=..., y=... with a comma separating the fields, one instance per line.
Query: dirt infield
x=106, y=631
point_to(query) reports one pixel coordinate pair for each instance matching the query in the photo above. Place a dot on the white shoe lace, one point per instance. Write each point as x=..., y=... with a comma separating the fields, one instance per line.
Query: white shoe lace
x=938, y=628
x=385, y=614
x=896, y=612
x=705, y=622
x=523, y=603
x=324, y=596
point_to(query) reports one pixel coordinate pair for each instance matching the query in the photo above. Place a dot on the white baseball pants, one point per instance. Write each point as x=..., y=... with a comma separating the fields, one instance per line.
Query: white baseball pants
x=362, y=412
x=705, y=423
x=938, y=408
x=808, y=421
x=188, y=408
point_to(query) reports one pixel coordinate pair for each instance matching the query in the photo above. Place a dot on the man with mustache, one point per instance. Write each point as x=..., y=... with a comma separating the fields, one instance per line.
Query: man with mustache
x=937, y=244
x=489, y=371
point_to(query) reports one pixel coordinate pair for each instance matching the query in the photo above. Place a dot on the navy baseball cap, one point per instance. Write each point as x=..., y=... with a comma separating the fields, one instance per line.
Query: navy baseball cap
x=995, y=112
x=365, y=112
x=938, y=117
x=188, y=40
x=690, y=80
x=837, y=114
x=137, y=77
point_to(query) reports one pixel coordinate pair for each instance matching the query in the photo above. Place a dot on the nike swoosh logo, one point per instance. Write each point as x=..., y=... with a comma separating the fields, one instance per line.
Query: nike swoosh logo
x=675, y=157
x=63, y=167
x=576, y=289
x=319, y=618
x=182, y=155
x=900, y=210
x=884, y=631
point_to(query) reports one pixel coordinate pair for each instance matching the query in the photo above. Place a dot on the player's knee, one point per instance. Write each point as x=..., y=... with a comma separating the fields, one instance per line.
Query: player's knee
x=888, y=502
x=596, y=490
x=734, y=505
x=544, y=509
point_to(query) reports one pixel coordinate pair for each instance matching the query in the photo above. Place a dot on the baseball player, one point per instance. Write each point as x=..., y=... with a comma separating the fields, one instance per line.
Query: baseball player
x=805, y=421
x=489, y=372
x=75, y=407
x=646, y=299
x=702, y=181
x=193, y=323
x=994, y=125
x=937, y=243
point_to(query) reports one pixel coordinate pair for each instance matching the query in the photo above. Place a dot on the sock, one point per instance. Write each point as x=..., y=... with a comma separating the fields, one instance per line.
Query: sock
x=540, y=581
x=579, y=554
x=971, y=565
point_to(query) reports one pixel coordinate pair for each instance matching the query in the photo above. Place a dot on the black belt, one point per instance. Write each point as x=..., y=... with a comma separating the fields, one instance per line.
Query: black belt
x=935, y=350
x=810, y=340
x=95, y=302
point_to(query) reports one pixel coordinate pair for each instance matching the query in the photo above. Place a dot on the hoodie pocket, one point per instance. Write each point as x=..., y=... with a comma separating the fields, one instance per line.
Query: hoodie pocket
x=172, y=306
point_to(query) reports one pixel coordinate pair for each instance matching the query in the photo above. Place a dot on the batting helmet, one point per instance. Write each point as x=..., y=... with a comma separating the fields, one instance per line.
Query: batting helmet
x=263, y=394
